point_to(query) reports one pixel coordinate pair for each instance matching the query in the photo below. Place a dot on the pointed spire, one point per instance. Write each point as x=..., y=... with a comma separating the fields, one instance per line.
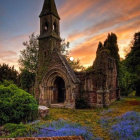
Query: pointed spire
x=49, y=7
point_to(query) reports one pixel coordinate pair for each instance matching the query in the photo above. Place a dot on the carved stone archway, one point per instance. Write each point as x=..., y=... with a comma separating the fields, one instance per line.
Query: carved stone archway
x=47, y=88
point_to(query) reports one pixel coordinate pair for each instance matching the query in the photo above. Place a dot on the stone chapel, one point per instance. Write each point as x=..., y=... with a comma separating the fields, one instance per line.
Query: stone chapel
x=57, y=84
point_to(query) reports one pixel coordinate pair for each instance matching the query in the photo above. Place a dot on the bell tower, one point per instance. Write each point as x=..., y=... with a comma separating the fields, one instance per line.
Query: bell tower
x=49, y=27
x=55, y=82
x=49, y=41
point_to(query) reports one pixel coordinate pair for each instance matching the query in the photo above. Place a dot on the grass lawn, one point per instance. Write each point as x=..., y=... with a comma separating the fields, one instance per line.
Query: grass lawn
x=92, y=117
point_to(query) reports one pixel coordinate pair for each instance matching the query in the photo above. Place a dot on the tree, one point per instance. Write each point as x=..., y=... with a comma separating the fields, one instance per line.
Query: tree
x=111, y=44
x=125, y=79
x=89, y=69
x=75, y=64
x=133, y=62
x=27, y=80
x=29, y=56
x=28, y=63
x=8, y=73
x=64, y=48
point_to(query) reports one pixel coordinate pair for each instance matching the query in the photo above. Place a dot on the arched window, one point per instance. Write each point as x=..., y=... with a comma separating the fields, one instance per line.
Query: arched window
x=46, y=26
x=54, y=27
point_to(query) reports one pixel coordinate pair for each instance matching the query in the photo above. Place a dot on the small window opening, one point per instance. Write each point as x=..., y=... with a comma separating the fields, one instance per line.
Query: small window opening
x=46, y=27
x=54, y=27
x=45, y=54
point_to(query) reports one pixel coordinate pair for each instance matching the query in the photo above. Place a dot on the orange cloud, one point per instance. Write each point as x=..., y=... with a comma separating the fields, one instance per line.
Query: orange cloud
x=86, y=51
x=75, y=36
x=121, y=8
x=7, y=53
x=119, y=16
x=74, y=8
x=9, y=57
x=9, y=50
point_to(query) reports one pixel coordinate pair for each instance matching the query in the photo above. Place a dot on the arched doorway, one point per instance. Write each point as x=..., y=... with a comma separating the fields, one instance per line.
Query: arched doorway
x=59, y=90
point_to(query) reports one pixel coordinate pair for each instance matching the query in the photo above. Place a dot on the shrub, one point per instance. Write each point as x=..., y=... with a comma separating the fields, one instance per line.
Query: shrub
x=16, y=105
x=11, y=130
x=81, y=102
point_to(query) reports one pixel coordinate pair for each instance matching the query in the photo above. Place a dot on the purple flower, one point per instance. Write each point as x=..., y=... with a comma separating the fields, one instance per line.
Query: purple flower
x=127, y=128
x=64, y=128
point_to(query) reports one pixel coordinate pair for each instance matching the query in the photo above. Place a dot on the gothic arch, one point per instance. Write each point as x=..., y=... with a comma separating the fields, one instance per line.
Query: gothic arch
x=45, y=26
x=50, y=76
x=47, y=85
x=55, y=27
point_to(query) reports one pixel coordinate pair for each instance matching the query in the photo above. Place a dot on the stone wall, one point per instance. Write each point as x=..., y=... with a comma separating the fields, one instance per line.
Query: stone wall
x=87, y=87
x=100, y=86
x=57, y=67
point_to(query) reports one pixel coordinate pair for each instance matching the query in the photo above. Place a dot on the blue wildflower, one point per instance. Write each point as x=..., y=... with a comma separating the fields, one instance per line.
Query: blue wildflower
x=127, y=128
x=64, y=128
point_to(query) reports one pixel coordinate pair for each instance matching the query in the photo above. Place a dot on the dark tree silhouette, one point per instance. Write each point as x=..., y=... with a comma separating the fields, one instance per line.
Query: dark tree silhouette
x=111, y=44
x=27, y=80
x=133, y=62
x=8, y=73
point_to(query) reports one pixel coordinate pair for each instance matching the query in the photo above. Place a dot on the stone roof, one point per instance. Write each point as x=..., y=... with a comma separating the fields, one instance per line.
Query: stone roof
x=69, y=69
x=49, y=138
x=49, y=7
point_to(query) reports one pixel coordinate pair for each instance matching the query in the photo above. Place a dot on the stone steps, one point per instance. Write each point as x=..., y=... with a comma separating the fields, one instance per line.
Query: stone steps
x=57, y=106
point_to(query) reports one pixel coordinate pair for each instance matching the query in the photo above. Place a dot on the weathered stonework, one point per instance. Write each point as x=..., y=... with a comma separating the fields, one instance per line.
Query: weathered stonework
x=57, y=83
x=43, y=111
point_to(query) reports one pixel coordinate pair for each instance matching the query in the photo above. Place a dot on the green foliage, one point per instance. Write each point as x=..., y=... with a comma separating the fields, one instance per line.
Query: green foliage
x=16, y=105
x=15, y=130
x=29, y=56
x=18, y=130
x=85, y=117
x=75, y=64
x=27, y=80
x=6, y=83
x=8, y=73
x=28, y=63
x=111, y=44
x=133, y=62
x=126, y=79
x=89, y=69
x=64, y=47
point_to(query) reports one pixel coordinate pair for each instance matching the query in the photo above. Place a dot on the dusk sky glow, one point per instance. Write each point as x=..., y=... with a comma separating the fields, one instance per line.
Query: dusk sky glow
x=83, y=23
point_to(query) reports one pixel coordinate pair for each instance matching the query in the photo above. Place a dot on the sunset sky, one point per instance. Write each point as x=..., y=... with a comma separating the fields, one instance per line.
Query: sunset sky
x=83, y=23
